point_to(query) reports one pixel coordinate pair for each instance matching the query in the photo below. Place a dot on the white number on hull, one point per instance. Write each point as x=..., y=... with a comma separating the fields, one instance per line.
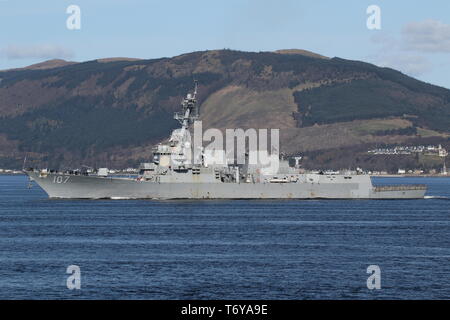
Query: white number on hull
x=60, y=179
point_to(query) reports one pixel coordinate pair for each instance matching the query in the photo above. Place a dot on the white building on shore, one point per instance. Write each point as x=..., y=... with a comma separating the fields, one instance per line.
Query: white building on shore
x=442, y=152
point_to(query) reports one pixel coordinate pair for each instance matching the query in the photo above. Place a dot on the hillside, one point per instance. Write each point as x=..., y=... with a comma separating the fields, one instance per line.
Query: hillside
x=110, y=112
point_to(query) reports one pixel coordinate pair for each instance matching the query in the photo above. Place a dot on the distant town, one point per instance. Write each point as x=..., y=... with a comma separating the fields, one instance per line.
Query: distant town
x=425, y=150
x=430, y=150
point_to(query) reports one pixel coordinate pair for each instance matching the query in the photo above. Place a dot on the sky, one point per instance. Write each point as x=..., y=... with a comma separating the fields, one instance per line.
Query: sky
x=413, y=36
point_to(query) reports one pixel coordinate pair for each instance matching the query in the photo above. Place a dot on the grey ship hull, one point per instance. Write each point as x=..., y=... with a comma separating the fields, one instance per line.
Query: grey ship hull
x=323, y=187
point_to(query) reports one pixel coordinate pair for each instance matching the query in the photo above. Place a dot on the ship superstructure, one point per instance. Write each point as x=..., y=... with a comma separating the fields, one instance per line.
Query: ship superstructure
x=180, y=170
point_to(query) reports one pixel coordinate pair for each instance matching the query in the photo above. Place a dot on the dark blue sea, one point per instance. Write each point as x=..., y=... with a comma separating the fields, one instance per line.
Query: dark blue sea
x=130, y=249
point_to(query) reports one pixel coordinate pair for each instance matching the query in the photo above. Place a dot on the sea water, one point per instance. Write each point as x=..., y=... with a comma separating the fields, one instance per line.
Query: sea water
x=138, y=249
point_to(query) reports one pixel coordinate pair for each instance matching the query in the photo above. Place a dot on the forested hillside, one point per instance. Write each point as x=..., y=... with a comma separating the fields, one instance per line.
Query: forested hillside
x=111, y=112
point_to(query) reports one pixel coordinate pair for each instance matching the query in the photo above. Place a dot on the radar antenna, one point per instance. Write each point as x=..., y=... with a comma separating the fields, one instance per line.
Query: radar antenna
x=189, y=109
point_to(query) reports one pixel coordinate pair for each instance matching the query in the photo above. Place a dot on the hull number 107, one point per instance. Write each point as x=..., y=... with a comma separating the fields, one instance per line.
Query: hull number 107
x=60, y=179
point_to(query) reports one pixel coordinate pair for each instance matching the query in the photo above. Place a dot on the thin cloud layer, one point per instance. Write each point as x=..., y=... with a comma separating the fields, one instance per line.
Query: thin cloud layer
x=41, y=51
x=427, y=36
x=408, y=64
x=410, y=51
x=391, y=54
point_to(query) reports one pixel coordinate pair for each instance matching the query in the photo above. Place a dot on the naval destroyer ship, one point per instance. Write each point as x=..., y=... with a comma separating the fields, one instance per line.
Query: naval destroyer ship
x=170, y=176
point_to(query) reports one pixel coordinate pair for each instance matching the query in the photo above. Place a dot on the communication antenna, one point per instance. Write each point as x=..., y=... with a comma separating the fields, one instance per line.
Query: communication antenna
x=195, y=87
x=24, y=162
x=189, y=109
x=195, y=97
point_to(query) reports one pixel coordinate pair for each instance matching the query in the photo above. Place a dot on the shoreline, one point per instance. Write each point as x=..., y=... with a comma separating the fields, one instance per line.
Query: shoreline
x=377, y=175
x=411, y=175
x=11, y=173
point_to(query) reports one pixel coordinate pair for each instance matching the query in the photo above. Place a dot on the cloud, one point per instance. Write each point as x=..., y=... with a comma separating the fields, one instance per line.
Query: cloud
x=410, y=64
x=385, y=41
x=391, y=54
x=427, y=36
x=408, y=51
x=40, y=51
